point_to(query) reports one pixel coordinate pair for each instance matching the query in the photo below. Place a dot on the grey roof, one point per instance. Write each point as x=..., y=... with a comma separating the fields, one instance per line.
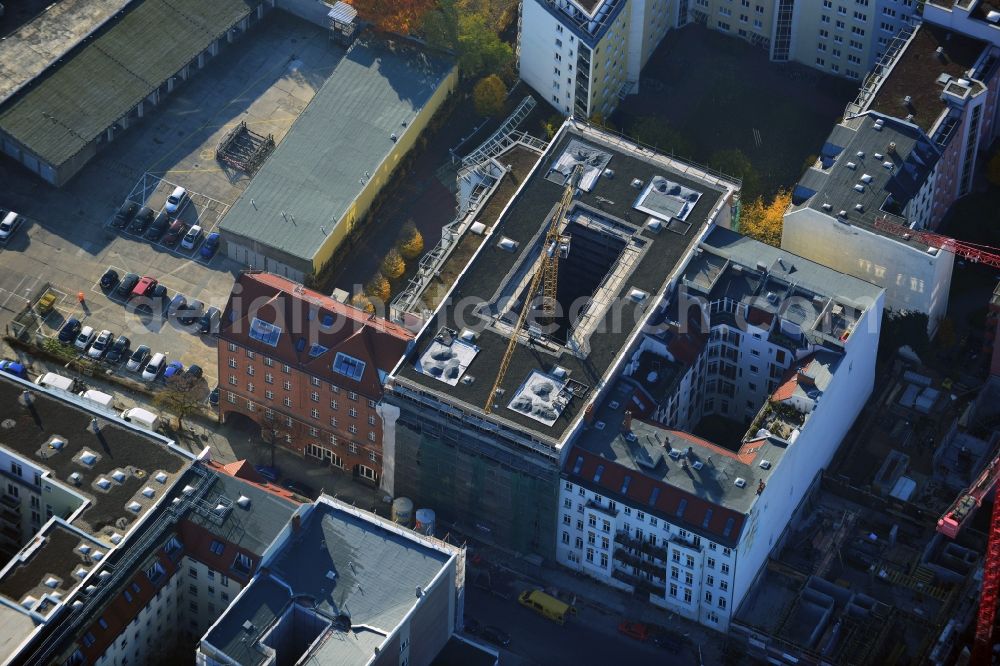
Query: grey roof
x=486, y=279
x=806, y=274
x=71, y=105
x=833, y=181
x=137, y=454
x=375, y=576
x=29, y=50
x=253, y=528
x=305, y=187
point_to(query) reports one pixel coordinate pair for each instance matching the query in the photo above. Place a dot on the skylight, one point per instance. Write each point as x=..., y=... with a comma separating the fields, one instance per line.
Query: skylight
x=628, y=480
x=680, y=508
x=597, y=474
x=265, y=332
x=728, y=529
x=655, y=495
x=317, y=350
x=708, y=518
x=348, y=366
x=578, y=465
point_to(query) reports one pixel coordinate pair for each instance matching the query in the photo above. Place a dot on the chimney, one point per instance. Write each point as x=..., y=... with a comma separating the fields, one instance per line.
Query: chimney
x=891, y=150
x=588, y=414
x=908, y=102
x=760, y=486
x=27, y=397
x=939, y=52
x=627, y=421
x=296, y=523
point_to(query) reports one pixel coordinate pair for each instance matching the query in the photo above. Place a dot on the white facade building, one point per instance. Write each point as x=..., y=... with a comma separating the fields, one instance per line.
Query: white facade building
x=789, y=349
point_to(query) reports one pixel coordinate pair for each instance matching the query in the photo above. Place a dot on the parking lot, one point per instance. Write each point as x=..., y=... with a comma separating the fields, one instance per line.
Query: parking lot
x=65, y=243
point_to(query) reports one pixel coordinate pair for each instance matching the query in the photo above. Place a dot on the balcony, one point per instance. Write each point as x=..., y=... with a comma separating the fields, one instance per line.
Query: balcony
x=638, y=582
x=648, y=549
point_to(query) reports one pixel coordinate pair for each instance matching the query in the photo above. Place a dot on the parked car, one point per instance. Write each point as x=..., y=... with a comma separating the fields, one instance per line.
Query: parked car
x=495, y=635
x=175, y=233
x=268, y=472
x=194, y=372
x=119, y=350
x=69, y=330
x=13, y=368
x=101, y=344
x=194, y=311
x=637, y=630
x=210, y=321
x=299, y=488
x=137, y=361
x=142, y=220
x=173, y=369
x=154, y=367
x=191, y=237
x=159, y=294
x=158, y=227
x=144, y=286
x=8, y=225
x=126, y=285
x=109, y=280
x=125, y=214
x=175, y=200
x=84, y=338
x=210, y=246
x=213, y=397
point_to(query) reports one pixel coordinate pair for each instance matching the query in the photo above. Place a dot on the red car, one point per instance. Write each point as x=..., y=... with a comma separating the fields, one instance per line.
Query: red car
x=636, y=630
x=175, y=233
x=144, y=287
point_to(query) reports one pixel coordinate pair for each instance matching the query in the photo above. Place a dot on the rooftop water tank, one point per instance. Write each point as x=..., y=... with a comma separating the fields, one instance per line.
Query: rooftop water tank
x=402, y=511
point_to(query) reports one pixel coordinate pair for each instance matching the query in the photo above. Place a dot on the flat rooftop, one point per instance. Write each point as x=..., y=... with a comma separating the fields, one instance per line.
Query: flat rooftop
x=922, y=74
x=343, y=563
x=310, y=181
x=870, y=167
x=59, y=114
x=33, y=47
x=616, y=266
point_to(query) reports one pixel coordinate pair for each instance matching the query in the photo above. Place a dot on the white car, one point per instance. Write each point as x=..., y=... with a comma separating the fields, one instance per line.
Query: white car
x=101, y=344
x=84, y=339
x=155, y=366
x=191, y=237
x=175, y=200
x=8, y=225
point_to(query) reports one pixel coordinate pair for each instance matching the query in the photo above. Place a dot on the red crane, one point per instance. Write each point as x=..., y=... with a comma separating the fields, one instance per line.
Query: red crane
x=950, y=524
x=983, y=254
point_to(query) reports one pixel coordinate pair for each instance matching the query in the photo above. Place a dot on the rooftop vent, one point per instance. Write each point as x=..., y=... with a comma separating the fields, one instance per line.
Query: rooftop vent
x=842, y=213
x=655, y=225
x=698, y=464
x=861, y=154
x=331, y=575
x=243, y=502
x=103, y=483
x=188, y=490
x=859, y=187
x=81, y=572
x=51, y=582
x=740, y=482
x=675, y=453
x=866, y=179
x=993, y=16
x=860, y=208
x=88, y=458
x=887, y=164
x=57, y=443
x=878, y=156
x=148, y=492
x=507, y=244
x=29, y=602
x=135, y=507
x=98, y=555
x=765, y=464
x=908, y=101
x=827, y=206
x=118, y=475
x=393, y=137
x=85, y=549
x=467, y=379
x=560, y=372
x=637, y=184
x=772, y=298
x=161, y=477
x=468, y=335
x=609, y=173
x=852, y=165
x=116, y=538
x=75, y=478
x=600, y=425
x=638, y=295
x=891, y=149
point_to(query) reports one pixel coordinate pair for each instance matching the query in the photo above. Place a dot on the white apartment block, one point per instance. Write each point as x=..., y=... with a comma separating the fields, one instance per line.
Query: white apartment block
x=840, y=37
x=788, y=348
x=584, y=56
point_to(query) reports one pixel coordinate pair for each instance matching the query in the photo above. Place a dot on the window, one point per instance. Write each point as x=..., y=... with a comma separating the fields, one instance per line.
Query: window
x=287, y=401
x=352, y=395
x=217, y=547
x=373, y=456
x=103, y=623
x=287, y=385
x=268, y=378
x=371, y=420
x=224, y=581
x=265, y=332
x=723, y=585
x=711, y=563
x=352, y=412
x=285, y=369
x=88, y=639
x=722, y=602
x=604, y=560
x=243, y=563
x=565, y=537
x=193, y=573
x=314, y=396
x=232, y=347
x=352, y=447
x=372, y=404
x=673, y=589
x=353, y=429
x=153, y=573
x=708, y=596
x=314, y=413
x=232, y=363
x=269, y=362
x=348, y=366
x=725, y=568
x=687, y=595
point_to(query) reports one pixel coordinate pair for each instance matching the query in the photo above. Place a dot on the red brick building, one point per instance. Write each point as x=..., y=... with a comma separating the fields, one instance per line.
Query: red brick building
x=309, y=369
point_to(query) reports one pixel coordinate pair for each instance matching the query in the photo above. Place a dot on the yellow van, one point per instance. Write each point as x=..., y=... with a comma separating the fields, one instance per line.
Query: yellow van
x=547, y=605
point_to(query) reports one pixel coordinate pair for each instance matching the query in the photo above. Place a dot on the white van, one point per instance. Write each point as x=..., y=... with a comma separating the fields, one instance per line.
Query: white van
x=8, y=225
x=53, y=380
x=175, y=200
x=141, y=417
x=101, y=398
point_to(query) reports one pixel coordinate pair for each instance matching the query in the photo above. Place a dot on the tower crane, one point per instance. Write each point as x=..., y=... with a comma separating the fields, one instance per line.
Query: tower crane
x=547, y=275
x=983, y=254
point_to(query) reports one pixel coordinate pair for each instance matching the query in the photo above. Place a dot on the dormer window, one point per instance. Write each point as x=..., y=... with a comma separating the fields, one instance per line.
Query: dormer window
x=265, y=332
x=348, y=366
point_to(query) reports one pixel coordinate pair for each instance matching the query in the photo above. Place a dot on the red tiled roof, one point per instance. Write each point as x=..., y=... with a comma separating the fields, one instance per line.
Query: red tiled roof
x=786, y=389
x=300, y=314
x=640, y=491
x=242, y=469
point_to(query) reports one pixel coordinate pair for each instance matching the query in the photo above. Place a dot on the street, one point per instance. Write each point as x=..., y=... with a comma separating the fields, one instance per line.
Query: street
x=591, y=637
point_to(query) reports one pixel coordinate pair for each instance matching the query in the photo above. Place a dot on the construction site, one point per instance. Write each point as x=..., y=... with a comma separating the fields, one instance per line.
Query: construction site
x=884, y=562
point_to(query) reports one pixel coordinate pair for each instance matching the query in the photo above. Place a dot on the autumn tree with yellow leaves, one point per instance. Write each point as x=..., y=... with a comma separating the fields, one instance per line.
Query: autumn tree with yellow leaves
x=393, y=265
x=763, y=221
x=411, y=244
x=399, y=16
x=379, y=288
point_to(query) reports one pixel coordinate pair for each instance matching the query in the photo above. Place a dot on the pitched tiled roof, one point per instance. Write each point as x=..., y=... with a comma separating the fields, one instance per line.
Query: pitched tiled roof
x=307, y=318
x=668, y=501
